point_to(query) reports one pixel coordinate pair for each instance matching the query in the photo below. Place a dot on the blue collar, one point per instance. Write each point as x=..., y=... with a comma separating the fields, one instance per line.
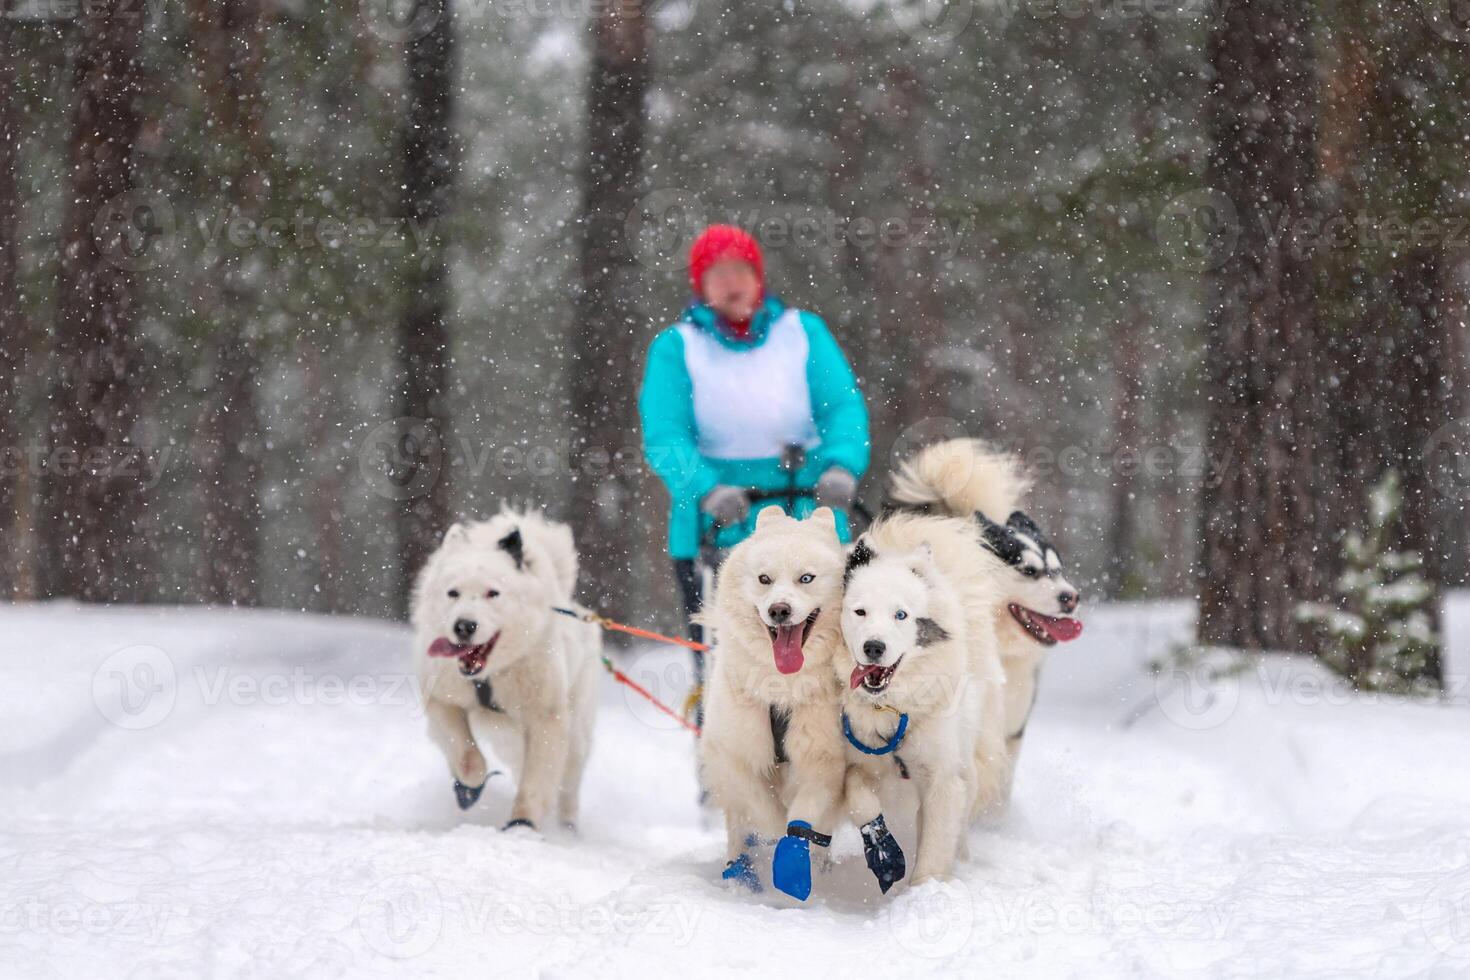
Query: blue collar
x=891, y=745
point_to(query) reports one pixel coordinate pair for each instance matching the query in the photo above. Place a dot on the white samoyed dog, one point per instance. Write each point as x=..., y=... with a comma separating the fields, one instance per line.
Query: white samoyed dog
x=771, y=751
x=490, y=649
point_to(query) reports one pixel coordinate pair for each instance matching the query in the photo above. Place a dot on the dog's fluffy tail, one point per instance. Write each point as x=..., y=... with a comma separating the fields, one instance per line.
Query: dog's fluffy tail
x=959, y=477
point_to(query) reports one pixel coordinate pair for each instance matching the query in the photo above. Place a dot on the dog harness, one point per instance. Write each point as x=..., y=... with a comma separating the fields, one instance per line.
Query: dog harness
x=780, y=720
x=889, y=747
x=485, y=694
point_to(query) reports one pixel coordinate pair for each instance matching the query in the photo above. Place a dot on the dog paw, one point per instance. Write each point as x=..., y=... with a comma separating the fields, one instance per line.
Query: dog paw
x=467, y=795
x=519, y=822
x=884, y=856
x=741, y=871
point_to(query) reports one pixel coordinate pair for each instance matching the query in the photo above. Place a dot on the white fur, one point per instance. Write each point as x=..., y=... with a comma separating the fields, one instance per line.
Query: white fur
x=961, y=476
x=737, y=755
x=543, y=668
x=896, y=600
x=961, y=569
x=958, y=478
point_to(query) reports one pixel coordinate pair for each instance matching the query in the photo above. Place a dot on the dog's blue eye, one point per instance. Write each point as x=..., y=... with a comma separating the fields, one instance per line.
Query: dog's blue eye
x=900, y=615
x=454, y=593
x=807, y=578
x=764, y=579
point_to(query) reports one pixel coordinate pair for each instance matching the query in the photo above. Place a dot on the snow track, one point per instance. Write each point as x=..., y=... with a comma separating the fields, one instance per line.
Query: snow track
x=207, y=793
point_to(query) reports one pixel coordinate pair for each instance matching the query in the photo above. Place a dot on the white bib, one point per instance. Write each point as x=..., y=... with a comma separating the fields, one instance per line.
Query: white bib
x=753, y=402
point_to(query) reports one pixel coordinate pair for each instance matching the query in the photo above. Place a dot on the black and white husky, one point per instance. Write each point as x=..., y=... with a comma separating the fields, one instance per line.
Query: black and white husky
x=490, y=648
x=923, y=681
x=963, y=478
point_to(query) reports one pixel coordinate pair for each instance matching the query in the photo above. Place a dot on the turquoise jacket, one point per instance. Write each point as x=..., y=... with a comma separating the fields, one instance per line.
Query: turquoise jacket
x=750, y=397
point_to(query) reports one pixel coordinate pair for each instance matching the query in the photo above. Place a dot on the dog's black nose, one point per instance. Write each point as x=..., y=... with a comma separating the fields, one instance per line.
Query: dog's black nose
x=1068, y=601
x=779, y=612
x=464, y=629
x=873, y=650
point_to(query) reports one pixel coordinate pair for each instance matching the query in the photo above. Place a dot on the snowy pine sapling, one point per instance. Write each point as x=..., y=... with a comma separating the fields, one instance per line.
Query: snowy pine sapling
x=1380, y=632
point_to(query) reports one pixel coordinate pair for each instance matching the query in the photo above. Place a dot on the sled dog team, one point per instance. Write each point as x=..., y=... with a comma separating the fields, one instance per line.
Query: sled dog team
x=839, y=676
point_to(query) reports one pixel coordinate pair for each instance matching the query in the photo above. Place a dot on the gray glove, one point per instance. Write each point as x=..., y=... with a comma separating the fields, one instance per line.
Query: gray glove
x=836, y=488
x=726, y=504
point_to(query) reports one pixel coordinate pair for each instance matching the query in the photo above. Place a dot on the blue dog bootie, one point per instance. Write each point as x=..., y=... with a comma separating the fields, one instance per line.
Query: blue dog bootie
x=884, y=856
x=791, y=868
x=741, y=871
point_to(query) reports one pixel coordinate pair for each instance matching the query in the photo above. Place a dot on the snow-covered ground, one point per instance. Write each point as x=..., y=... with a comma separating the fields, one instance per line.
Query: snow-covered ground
x=207, y=793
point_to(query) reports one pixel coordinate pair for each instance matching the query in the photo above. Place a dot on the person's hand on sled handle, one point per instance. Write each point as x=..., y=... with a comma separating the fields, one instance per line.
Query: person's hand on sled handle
x=726, y=504
x=836, y=489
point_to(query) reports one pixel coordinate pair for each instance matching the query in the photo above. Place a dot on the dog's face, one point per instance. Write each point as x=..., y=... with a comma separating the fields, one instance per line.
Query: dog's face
x=1039, y=598
x=474, y=588
x=786, y=575
x=886, y=614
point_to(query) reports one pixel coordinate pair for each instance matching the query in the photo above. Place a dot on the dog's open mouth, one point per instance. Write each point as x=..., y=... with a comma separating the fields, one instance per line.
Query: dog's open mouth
x=1046, y=630
x=471, y=659
x=873, y=677
x=787, y=641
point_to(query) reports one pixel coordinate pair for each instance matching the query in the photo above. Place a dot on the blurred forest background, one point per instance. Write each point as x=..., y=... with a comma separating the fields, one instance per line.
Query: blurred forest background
x=309, y=279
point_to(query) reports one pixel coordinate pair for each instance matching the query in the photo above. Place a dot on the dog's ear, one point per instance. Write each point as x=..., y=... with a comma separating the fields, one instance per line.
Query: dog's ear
x=998, y=539
x=456, y=532
x=512, y=545
x=769, y=517
x=930, y=632
x=1022, y=522
x=859, y=556
x=825, y=517
x=921, y=561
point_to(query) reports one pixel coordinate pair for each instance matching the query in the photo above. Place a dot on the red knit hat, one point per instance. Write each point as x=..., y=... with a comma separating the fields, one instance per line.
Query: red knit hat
x=723, y=242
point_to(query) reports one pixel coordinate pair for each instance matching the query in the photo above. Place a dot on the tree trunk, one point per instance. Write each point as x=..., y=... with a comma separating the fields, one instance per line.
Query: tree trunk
x=854, y=317
x=97, y=389
x=327, y=508
x=605, y=340
x=1257, y=561
x=1424, y=376
x=228, y=44
x=1128, y=395
x=15, y=335
x=1393, y=343
x=910, y=317
x=430, y=160
x=1124, y=573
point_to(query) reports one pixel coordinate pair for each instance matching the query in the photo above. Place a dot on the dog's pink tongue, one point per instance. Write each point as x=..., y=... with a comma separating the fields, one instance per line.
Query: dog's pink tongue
x=443, y=648
x=859, y=672
x=1061, y=629
x=786, y=647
